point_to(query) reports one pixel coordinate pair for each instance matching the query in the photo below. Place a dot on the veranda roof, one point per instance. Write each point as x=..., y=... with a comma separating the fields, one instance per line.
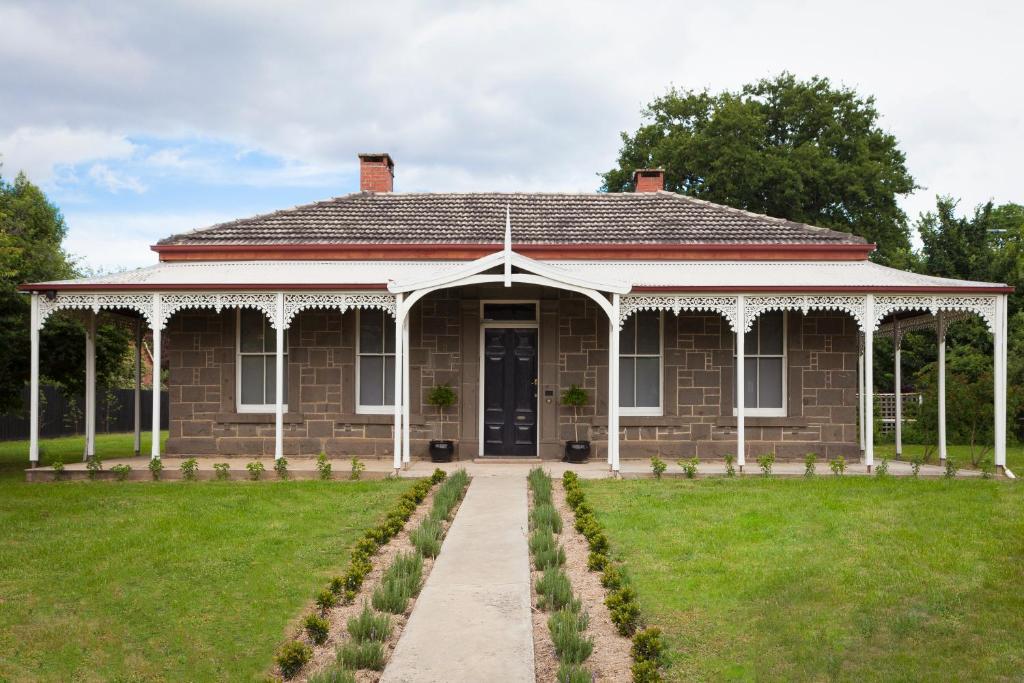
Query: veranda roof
x=701, y=276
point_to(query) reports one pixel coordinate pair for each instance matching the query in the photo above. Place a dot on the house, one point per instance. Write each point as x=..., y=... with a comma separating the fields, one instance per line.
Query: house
x=323, y=327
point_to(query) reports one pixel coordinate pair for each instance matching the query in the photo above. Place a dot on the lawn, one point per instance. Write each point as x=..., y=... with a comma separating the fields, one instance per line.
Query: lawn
x=172, y=581
x=962, y=454
x=851, y=579
x=14, y=454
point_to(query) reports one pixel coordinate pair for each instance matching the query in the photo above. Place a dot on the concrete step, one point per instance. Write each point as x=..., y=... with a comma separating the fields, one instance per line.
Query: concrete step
x=508, y=460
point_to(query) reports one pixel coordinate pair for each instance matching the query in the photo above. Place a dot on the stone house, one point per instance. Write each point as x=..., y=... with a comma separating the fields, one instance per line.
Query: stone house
x=293, y=333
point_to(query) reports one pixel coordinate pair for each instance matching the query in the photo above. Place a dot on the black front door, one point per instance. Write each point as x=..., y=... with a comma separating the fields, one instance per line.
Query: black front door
x=510, y=391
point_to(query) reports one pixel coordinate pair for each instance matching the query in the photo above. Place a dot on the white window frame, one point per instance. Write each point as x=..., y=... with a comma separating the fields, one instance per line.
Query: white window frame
x=766, y=412
x=648, y=411
x=360, y=408
x=253, y=407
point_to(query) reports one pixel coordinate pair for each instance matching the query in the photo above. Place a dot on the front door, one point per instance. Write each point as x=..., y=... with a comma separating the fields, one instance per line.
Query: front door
x=510, y=391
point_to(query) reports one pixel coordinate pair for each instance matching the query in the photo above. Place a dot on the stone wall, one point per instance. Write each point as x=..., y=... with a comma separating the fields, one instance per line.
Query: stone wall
x=444, y=339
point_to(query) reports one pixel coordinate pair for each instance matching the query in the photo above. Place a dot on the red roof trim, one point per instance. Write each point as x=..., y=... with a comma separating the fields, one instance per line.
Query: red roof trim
x=468, y=251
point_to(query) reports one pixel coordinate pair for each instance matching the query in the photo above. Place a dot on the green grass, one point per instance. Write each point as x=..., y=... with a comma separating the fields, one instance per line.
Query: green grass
x=167, y=580
x=962, y=454
x=850, y=579
x=14, y=454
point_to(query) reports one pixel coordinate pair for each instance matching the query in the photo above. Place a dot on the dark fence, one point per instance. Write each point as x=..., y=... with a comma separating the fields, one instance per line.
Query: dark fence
x=62, y=416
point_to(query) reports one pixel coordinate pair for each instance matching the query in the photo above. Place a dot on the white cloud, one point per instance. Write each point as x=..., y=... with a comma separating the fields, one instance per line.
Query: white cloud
x=113, y=181
x=40, y=151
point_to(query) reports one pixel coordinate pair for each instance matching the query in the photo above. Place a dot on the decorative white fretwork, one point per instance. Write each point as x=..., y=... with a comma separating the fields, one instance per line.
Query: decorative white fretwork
x=984, y=305
x=723, y=305
x=261, y=301
x=755, y=305
x=142, y=303
x=293, y=303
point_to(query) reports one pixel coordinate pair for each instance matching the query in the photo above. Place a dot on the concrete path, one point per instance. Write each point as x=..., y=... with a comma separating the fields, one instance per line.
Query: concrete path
x=472, y=620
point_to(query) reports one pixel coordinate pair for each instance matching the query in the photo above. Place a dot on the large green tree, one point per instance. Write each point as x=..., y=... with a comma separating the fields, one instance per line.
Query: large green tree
x=807, y=151
x=32, y=232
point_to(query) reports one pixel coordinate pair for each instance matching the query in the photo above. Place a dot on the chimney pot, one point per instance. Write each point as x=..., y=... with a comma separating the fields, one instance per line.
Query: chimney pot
x=376, y=172
x=649, y=180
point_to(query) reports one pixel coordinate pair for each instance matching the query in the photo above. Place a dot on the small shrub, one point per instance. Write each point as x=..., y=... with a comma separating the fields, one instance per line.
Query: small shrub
x=121, y=472
x=438, y=476
x=574, y=496
x=58, y=467
x=555, y=591
x=323, y=466
x=281, y=467
x=567, y=627
x=256, y=470
x=987, y=465
x=730, y=465
x=810, y=461
x=540, y=485
x=358, y=467
x=547, y=517
x=337, y=585
x=766, y=461
x=612, y=578
x=838, y=466
x=658, y=466
x=333, y=674
x=189, y=468
x=915, y=465
x=569, y=477
x=597, y=562
x=222, y=471
x=94, y=466
x=599, y=543
x=645, y=672
x=427, y=537
x=318, y=628
x=571, y=673
x=292, y=657
x=952, y=467
x=545, y=550
x=401, y=581
x=625, y=612
x=882, y=468
x=367, y=655
x=689, y=467
x=648, y=646
x=369, y=626
x=325, y=600
x=156, y=468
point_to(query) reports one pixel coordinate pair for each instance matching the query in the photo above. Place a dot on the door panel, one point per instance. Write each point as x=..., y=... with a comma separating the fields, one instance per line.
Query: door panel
x=510, y=391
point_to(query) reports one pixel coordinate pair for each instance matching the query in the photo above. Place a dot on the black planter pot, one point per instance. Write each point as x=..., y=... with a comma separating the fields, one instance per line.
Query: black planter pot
x=442, y=451
x=577, y=451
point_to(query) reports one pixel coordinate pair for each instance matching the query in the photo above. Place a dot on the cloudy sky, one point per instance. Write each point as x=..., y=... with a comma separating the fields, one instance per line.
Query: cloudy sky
x=143, y=119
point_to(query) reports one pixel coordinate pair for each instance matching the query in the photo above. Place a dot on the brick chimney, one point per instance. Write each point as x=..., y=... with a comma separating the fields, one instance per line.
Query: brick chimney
x=376, y=172
x=649, y=179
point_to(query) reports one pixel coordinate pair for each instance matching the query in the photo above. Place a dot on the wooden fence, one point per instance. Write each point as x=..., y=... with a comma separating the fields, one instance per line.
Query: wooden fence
x=63, y=416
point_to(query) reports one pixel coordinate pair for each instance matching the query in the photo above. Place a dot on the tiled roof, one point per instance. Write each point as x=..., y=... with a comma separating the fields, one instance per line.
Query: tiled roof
x=537, y=218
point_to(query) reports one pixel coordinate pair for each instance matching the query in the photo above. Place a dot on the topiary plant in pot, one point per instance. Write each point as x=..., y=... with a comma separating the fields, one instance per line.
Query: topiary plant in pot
x=442, y=396
x=577, y=450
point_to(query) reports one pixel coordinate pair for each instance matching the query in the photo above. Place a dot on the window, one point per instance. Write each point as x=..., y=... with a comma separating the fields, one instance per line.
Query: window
x=256, y=388
x=764, y=349
x=640, y=364
x=375, y=362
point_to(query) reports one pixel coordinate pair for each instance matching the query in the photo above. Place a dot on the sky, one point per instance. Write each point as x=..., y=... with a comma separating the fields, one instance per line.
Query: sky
x=143, y=119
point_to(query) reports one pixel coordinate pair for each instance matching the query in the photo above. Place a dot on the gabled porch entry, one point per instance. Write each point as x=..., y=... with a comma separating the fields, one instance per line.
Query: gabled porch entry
x=509, y=378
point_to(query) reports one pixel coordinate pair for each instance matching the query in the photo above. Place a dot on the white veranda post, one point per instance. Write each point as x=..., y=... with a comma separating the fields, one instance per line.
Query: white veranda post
x=33, y=438
x=741, y=327
x=613, y=385
x=897, y=345
x=157, y=327
x=940, y=332
x=279, y=379
x=406, y=455
x=399, y=363
x=90, y=386
x=999, y=363
x=869, y=380
x=138, y=387
x=860, y=398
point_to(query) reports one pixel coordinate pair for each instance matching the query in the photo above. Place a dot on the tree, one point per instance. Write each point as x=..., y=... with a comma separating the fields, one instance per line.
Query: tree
x=32, y=231
x=801, y=150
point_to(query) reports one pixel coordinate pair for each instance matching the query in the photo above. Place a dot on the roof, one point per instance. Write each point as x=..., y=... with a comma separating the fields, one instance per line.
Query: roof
x=537, y=218
x=700, y=276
